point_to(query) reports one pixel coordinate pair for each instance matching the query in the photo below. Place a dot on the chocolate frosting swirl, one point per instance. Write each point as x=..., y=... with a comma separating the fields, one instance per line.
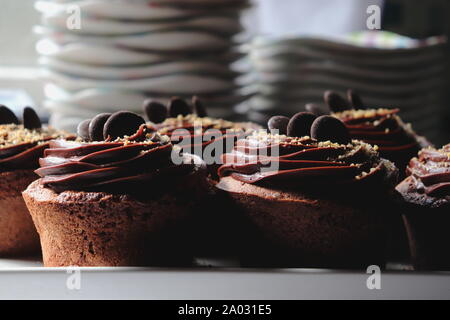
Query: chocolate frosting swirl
x=396, y=141
x=430, y=172
x=189, y=127
x=203, y=131
x=21, y=148
x=126, y=165
x=305, y=163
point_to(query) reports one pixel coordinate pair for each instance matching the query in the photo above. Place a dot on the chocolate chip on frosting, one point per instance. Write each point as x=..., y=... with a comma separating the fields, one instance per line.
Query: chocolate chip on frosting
x=178, y=106
x=279, y=123
x=355, y=99
x=300, y=124
x=317, y=109
x=122, y=123
x=155, y=111
x=30, y=119
x=199, y=108
x=96, y=126
x=326, y=128
x=83, y=130
x=335, y=101
x=7, y=116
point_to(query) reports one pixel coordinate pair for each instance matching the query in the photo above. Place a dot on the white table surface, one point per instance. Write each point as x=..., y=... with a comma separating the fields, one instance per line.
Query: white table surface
x=27, y=279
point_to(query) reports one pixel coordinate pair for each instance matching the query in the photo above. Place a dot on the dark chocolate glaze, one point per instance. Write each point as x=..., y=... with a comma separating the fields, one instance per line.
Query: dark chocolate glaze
x=383, y=128
x=26, y=153
x=286, y=162
x=431, y=171
x=132, y=165
x=192, y=132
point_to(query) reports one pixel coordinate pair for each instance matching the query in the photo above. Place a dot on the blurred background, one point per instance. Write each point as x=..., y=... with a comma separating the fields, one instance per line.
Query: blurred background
x=249, y=59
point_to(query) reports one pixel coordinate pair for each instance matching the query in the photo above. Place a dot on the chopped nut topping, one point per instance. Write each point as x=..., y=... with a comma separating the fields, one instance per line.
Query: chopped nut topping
x=194, y=120
x=13, y=134
x=365, y=113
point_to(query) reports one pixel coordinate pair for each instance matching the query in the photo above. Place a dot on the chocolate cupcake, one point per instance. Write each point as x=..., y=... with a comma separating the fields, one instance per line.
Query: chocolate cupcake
x=426, y=208
x=382, y=127
x=396, y=141
x=188, y=126
x=114, y=197
x=316, y=200
x=21, y=145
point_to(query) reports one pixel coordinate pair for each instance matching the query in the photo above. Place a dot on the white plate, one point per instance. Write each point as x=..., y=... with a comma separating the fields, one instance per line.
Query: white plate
x=316, y=96
x=93, y=54
x=98, y=100
x=347, y=45
x=143, y=71
x=96, y=54
x=169, y=85
x=140, y=10
x=116, y=10
x=58, y=109
x=293, y=54
x=56, y=93
x=329, y=67
x=159, y=41
x=282, y=83
x=193, y=3
x=222, y=100
x=98, y=26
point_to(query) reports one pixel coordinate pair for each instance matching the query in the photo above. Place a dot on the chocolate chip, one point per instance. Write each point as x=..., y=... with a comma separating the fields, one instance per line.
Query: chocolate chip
x=279, y=123
x=156, y=112
x=30, y=119
x=317, y=109
x=177, y=107
x=7, y=116
x=335, y=101
x=199, y=108
x=122, y=123
x=355, y=99
x=326, y=128
x=96, y=126
x=300, y=124
x=83, y=129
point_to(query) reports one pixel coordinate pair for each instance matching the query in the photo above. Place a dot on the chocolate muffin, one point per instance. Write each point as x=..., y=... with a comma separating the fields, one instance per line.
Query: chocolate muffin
x=115, y=197
x=426, y=208
x=316, y=201
x=21, y=145
x=382, y=127
x=188, y=126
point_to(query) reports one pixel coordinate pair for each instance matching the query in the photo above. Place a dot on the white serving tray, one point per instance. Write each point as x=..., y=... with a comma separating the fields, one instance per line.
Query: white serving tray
x=27, y=279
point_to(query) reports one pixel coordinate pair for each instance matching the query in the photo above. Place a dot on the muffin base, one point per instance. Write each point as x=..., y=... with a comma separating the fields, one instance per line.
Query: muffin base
x=291, y=229
x=428, y=238
x=426, y=221
x=101, y=229
x=18, y=235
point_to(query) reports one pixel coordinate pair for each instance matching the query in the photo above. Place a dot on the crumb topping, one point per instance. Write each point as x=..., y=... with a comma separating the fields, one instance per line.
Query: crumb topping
x=149, y=139
x=265, y=137
x=14, y=134
x=194, y=120
x=304, y=160
x=365, y=113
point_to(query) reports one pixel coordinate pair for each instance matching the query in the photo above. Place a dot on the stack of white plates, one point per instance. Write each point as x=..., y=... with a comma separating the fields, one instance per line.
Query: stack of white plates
x=387, y=70
x=130, y=50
